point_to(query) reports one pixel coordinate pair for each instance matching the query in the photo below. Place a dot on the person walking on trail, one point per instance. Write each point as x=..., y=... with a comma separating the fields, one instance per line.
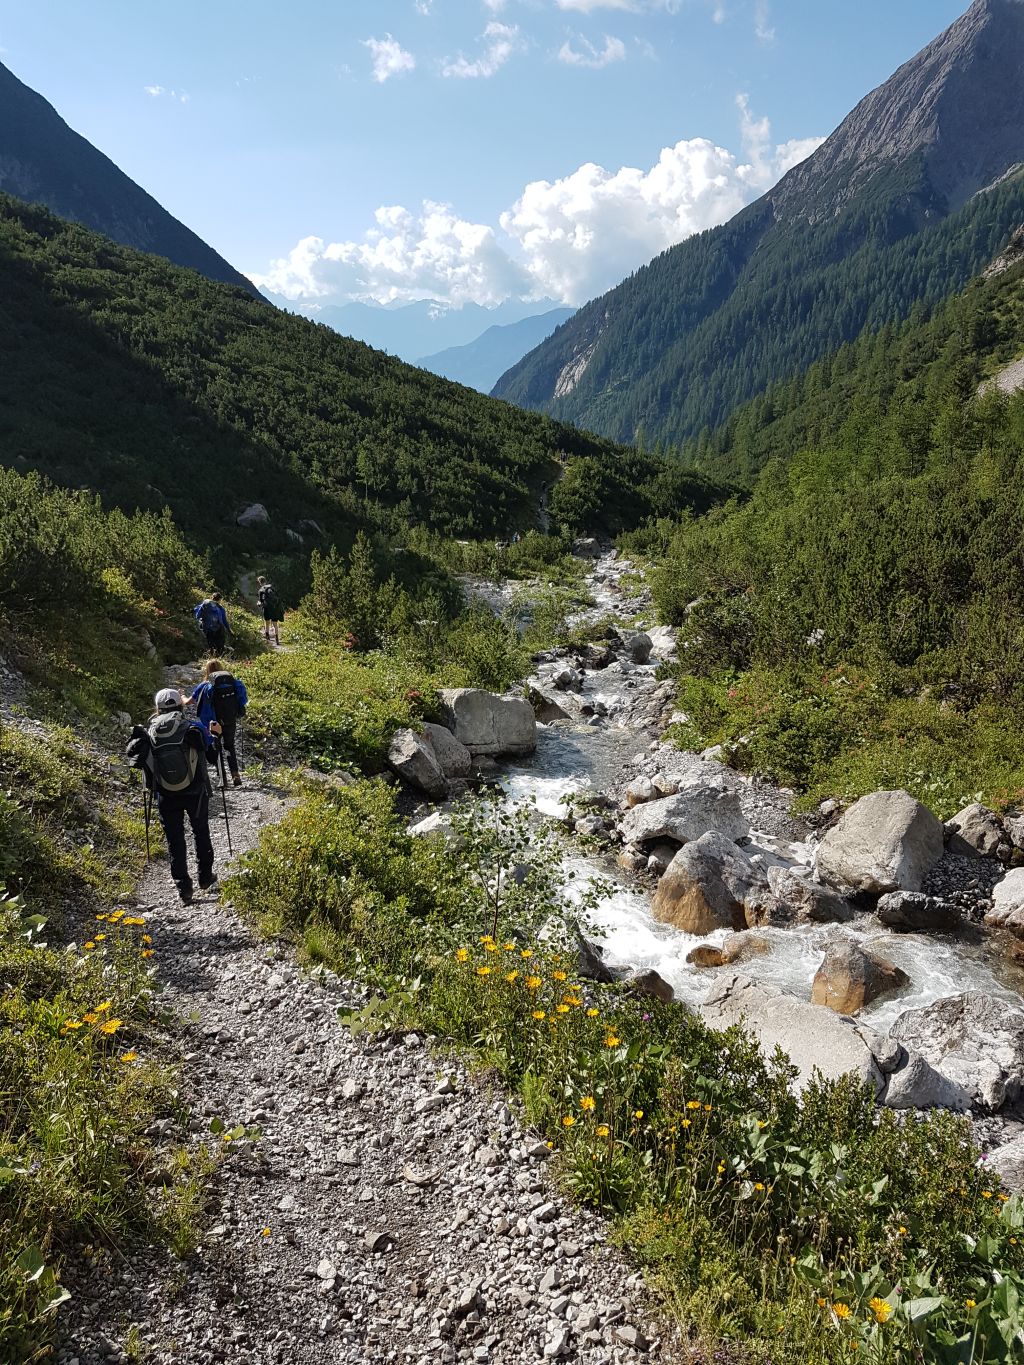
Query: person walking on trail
x=220, y=701
x=172, y=752
x=213, y=622
x=270, y=606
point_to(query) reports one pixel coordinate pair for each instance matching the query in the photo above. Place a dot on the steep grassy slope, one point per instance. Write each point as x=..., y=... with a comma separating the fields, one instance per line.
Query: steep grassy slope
x=154, y=386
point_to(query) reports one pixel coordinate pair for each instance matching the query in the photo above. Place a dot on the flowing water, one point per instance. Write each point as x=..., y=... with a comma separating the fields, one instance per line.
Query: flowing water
x=576, y=757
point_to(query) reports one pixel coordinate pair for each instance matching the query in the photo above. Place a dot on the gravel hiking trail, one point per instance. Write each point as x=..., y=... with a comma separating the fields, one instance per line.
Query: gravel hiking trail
x=393, y=1207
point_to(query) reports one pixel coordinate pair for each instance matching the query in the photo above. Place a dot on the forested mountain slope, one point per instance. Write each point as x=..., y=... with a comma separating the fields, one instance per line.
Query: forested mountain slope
x=879, y=218
x=43, y=161
x=153, y=385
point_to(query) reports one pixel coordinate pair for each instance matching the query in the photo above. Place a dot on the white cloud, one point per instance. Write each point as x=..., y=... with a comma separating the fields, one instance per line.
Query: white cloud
x=424, y=7
x=501, y=41
x=156, y=91
x=587, y=54
x=568, y=239
x=763, y=21
x=389, y=58
x=588, y=6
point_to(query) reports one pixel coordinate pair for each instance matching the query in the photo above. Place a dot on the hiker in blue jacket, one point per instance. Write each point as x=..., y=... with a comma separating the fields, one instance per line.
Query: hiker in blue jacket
x=172, y=752
x=213, y=622
x=220, y=701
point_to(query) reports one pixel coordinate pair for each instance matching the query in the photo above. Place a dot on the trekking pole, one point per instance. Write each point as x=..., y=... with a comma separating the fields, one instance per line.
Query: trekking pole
x=147, y=808
x=223, y=794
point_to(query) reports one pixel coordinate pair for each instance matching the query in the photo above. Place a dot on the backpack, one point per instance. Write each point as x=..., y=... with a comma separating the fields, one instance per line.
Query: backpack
x=271, y=604
x=224, y=698
x=208, y=616
x=174, y=760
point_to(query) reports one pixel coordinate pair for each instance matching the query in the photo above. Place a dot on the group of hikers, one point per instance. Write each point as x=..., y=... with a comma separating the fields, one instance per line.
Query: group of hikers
x=175, y=753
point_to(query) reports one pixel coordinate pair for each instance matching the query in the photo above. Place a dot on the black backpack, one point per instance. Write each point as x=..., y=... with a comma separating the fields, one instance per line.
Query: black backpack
x=174, y=760
x=271, y=604
x=224, y=698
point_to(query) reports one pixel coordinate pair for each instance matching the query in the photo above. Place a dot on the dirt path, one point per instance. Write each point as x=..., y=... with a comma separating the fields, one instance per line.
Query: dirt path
x=392, y=1210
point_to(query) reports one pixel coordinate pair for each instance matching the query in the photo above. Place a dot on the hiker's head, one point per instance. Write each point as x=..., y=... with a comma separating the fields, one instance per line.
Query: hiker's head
x=211, y=667
x=167, y=699
x=260, y=579
x=215, y=596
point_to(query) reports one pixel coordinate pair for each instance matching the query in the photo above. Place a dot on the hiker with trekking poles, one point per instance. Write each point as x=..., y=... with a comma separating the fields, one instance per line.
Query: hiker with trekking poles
x=213, y=622
x=220, y=701
x=270, y=607
x=172, y=752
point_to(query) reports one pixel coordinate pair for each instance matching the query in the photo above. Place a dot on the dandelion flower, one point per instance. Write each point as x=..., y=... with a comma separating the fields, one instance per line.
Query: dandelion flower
x=133, y=919
x=602, y=1130
x=986, y=1194
x=128, y=1057
x=559, y=975
x=490, y=947
x=90, y=1018
x=562, y=1008
x=526, y=952
x=693, y=1104
x=901, y=1231
x=593, y=1012
x=462, y=955
x=102, y=917
x=104, y=1007
x=707, y=1108
x=147, y=952
x=146, y=938
x=265, y=1232
x=509, y=947
x=533, y=982
x=568, y=1121
x=486, y=939
x=588, y=1102
x=538, y=1014
x=970, y=1303
x=88, y=947
x=72, y=1023
x=573, y=1000
x=822, y=1303
x=881, y=1309
x=758, y=1186
x=511, y=977
x=638, y=1113
x=841, y=1310
x=117, y=915
x=100, y=937
x=721, y=1168
x=686, y=1123
x=111, y=1026
x=1003, y=1198
x=483, y=971
x=611, y=1041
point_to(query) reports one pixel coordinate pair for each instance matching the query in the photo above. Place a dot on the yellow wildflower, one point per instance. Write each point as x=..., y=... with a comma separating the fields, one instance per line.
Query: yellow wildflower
x=88, y=947
x=1003, y=1198
x=593, y=1012
x=986, y=1194
x=265, y=1232
x=509, y=947
x=881, y=1309
x=538, y=1014
x=111, y=1026
x=611, y=1041
x=901, y=1231
x=686, y=1123
x=970, y=1303
x=117, y=915
x=72, y=1023
x=762, y=1123
x=588, y=1102
x=526, y=952
x=511, y=977
x=841, y=1310
x=638, y=1113
x=486, y=939
x=90, y=1018
x=822, y=1303
x=602, y=1130
x=133, y=919
x=707, y=1109
x=147, y=952
x=721, y=1168
x=101, y=917
x=568, y=1121
x=533, y=982
x=146, y=939
x=562, y=1009
x=104, y=1006
x=462, y=955
x=573, y=1000
x=490, y=947
x=128, y=1057
x=693, y=1104
x=758, y=1186
x=99, y=937
x=559, y=976
x=483, y=971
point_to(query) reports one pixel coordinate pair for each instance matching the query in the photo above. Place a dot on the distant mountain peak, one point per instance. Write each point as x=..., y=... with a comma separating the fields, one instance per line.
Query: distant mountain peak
x=43, y=161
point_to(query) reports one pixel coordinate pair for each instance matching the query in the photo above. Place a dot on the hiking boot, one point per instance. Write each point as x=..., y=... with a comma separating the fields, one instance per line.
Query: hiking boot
x=212, y=885
x=236, y=781
x=185, y=893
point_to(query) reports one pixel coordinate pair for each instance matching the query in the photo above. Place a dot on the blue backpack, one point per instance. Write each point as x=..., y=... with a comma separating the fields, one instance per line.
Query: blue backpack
x=208, y=616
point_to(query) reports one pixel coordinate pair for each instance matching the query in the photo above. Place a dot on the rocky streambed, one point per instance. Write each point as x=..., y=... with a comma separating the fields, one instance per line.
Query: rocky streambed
x=875, y=941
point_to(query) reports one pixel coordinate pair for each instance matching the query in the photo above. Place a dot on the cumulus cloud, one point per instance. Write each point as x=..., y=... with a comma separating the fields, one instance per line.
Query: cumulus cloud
x=389, y=58
x=763, y=21
x=501, y=41
x=569, y=239
x=588, y=6
x=587, y=54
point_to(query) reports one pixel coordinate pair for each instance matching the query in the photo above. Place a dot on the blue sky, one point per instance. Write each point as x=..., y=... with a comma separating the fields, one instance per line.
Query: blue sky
x=463, y=149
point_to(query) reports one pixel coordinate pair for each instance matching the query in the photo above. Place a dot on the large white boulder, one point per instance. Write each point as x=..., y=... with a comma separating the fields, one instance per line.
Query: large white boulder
x=412, y=758
x=708, y=885
x=885, y=842
x=1008, y=903
x=816, y=1039
x=698, y=809
x=974, y=1039
x=253, y=515
x=487, y=724
x=1007, y=1162
x=976, y=832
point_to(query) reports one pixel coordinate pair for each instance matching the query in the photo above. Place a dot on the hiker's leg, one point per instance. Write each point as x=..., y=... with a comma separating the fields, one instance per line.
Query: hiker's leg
x=199, y=818
x=227, y=739
x=172, y=817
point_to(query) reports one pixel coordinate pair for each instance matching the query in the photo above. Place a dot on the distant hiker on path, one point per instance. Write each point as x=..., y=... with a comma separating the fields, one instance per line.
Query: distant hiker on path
x=270, y=606
x=220, y=700
x=213, y=622
x=171, y=751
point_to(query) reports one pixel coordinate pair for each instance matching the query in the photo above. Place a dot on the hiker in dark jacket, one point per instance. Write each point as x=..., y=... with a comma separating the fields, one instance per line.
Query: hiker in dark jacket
x=270, y=606
x=220, y=700
x=172, y=753
x=213, y=622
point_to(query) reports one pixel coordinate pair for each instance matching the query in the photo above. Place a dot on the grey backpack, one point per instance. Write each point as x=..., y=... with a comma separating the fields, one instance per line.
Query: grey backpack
x=175, y=760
